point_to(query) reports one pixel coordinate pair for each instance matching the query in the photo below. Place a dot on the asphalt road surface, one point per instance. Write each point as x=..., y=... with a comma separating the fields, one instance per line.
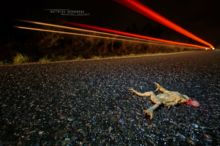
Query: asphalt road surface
x=88, y=103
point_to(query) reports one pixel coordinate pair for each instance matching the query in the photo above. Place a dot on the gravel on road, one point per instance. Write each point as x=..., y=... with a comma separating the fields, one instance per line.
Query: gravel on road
x=87, y=103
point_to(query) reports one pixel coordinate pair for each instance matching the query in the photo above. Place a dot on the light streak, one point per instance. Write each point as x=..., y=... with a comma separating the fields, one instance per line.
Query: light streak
x=79, y=34
x=135, y=35
x=114, y=33
x=148, y=12
x=79, y=29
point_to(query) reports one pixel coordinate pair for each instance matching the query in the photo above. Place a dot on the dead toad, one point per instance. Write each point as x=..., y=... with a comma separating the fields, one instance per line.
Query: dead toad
x=166, y=98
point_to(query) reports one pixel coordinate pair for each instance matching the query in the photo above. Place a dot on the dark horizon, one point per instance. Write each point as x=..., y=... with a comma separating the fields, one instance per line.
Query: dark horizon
x=199, y=17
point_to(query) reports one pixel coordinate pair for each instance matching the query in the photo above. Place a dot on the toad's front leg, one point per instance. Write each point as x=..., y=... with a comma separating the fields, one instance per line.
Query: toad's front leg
x=160, y=88
x=149, y=111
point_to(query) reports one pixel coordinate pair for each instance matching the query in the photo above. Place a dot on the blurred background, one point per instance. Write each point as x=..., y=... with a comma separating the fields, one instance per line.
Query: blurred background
x=199, y=17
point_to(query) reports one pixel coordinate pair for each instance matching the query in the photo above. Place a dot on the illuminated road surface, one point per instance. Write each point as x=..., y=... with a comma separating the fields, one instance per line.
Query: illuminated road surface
x=87, y=102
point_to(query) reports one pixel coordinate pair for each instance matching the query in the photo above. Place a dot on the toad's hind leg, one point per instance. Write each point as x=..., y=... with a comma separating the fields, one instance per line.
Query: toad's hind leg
x=147, y=94
x=150, y=94
x=149, y=111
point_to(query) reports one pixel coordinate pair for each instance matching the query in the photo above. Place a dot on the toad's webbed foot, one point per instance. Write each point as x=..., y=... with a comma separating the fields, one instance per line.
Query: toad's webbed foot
x=131, y=90
x=149, y=111
x=134, y=92
x=149, y=114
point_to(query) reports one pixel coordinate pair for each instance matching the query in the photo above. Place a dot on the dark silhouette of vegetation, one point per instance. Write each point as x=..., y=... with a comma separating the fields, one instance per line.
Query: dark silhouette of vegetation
x=46, y=47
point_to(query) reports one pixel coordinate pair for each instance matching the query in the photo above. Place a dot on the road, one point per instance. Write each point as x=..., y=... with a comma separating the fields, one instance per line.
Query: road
x=88, y=103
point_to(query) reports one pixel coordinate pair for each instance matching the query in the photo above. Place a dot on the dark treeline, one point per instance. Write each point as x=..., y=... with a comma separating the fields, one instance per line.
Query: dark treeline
x=55, y=47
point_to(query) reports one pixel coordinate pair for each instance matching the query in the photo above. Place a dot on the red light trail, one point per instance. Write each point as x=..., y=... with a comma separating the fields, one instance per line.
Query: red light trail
x=104, y=33
x=107, y=34
x=148, y=12
x=134, y=35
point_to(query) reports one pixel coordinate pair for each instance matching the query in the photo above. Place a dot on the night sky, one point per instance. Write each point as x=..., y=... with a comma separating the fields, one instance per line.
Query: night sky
x=198, y=16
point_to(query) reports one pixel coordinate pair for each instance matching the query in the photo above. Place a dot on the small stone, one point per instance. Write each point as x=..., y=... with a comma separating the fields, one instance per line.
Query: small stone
x=121, y=121
x=190, y=141
x=88, y=125
x=195, y=126
x=138, y=113
x=80, y=143
x=110, y=129
x=67, y=139
x=207, y=138
x=41, y=133
x=181, y=136
x=62, y=117
x=70, y=119
x=4, y=105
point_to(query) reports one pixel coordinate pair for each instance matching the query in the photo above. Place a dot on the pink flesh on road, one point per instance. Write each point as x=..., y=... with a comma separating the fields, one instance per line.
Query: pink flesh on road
x=193, y=103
